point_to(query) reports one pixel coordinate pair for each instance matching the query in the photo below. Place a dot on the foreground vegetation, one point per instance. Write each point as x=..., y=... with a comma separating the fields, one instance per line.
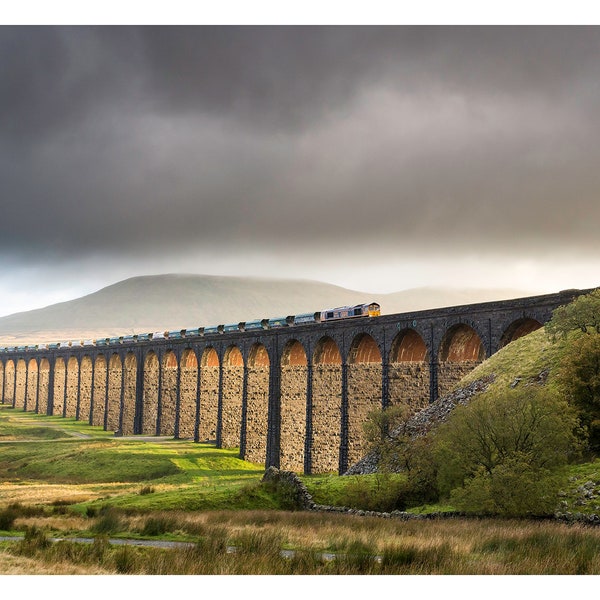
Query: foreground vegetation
x=250, y=542
x=176, y=490
x=509, y=448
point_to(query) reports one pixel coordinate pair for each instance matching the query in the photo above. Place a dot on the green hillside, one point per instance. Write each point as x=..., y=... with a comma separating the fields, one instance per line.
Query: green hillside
x=490, y=448
x=532, y=358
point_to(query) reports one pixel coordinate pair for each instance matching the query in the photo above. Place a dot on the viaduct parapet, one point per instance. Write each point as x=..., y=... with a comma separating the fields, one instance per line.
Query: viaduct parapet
x=292, y=397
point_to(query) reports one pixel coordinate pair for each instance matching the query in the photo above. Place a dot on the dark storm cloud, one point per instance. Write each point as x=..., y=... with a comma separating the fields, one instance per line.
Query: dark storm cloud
x=423, y=139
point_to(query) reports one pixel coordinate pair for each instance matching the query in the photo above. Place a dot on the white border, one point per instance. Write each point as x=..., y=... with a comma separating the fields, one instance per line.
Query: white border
x=301, y=12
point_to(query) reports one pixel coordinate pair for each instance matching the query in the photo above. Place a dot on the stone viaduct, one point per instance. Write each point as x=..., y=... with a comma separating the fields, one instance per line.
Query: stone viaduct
x=293, y=397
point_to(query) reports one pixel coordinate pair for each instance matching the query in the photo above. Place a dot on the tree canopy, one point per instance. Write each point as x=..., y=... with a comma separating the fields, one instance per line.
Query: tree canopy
x=583, y=314
x=498, y=453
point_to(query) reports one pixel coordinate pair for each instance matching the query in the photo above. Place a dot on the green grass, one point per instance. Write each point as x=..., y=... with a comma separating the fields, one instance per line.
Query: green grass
x=525, y=358
x=20, y=425
x=181, y=475
x=348, y=490
x=11, y=433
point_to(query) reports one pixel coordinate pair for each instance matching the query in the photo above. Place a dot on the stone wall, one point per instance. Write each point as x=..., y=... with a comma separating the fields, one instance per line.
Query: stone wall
x=85, y=389
x=21, y=384
x=293, y=417
x=450, y=373
x=32, y=383
x=257, y=414
x=43, y=386
x=187, y=396
x=129, y=394
x=60, y=373
x=150, y=395
x=364, y=395
x=209, y=400
x=168, y=395
x=72, y=389
x=100, y=391
x=115, y=378
x=9, y=382
x=231, y=414
x=409, y=384
x=326, y=417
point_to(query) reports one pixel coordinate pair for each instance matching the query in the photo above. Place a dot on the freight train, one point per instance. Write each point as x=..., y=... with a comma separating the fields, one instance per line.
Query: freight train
x=331, y=314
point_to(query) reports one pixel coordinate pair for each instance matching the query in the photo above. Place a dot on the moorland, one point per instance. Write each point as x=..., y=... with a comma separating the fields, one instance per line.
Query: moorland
x=63, y=480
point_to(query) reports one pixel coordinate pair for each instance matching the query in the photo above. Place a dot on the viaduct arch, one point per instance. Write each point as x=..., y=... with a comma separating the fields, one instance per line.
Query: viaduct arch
x=294, y=397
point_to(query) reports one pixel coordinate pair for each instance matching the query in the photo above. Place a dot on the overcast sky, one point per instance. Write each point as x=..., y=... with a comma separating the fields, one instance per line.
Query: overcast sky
x=377, y=158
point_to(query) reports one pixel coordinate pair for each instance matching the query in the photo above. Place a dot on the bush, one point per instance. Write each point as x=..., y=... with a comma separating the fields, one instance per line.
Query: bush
x=7, y=518
x=499, y=453
x=158, y=526
x=579, y=378
x=109, y=522
x=381, y=492
x=35, y=540
x=397, y=450
x=125, y=560
x=513, y=488
x=583, y=314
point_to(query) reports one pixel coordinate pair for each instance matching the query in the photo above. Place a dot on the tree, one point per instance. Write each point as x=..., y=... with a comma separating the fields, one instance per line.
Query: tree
x=583, y=314
x=499, y=453
x=579, y=378
x=398, y=450
x=386, y=437
x=578, y=326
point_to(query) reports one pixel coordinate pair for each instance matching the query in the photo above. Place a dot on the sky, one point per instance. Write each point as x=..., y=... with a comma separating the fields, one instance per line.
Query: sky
x=379, y=158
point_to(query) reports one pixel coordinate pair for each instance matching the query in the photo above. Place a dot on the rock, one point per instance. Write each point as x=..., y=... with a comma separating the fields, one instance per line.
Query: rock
x=303, y=498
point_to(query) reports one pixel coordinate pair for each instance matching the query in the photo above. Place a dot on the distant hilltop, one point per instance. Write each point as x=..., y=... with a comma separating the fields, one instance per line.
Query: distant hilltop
x=168, y=302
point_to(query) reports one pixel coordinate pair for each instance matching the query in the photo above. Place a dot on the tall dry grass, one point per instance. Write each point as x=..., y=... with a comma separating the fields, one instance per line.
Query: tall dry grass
x=327, y=544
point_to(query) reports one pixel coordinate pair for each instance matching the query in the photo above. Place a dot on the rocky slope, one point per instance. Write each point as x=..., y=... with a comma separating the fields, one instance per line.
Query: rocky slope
x=423, y=421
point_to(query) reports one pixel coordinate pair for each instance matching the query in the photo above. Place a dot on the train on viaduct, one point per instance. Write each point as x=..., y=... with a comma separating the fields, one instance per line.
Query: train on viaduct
x=292, y=396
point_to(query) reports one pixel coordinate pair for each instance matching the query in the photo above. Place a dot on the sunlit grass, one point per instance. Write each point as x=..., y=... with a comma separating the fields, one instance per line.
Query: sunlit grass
x=524, y=359
x=20, y=424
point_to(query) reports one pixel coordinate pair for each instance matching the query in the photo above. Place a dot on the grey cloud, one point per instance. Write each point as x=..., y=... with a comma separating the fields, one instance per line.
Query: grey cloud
x=133, y=140
x=55, y=77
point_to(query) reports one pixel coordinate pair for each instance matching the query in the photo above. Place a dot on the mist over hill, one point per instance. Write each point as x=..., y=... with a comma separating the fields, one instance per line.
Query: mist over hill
x=161, y=302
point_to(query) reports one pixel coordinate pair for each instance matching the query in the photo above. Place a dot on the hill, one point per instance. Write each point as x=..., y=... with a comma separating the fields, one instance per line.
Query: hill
x=160, y=302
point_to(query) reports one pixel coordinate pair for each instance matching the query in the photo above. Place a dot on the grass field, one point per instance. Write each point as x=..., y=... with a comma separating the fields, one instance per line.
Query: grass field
x=62, y=478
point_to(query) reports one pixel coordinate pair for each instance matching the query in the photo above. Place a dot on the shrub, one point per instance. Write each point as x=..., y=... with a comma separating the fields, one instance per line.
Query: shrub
x=579, y=378
x=34, y=541
x=357, y=557
x=381, y=492
x=91, y=512
x=125, y=560
x=109, y=522
x=158, y=526
x=498, y=454
x=7, y=518
x=583, y=314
